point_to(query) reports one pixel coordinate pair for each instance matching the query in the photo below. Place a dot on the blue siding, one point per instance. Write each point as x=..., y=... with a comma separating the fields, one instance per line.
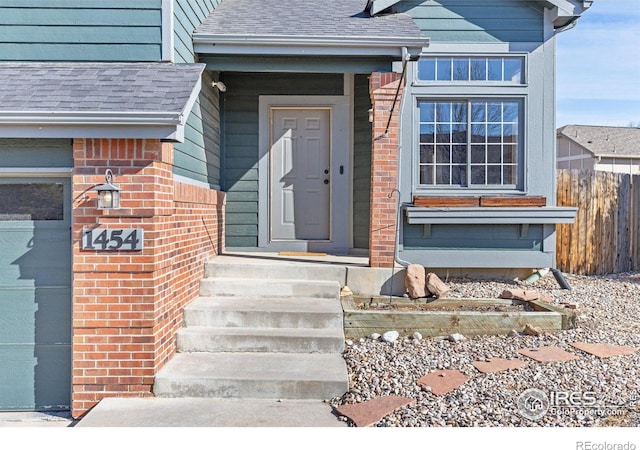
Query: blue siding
x=198, y=157
x=81, y=30
x=36, y=153
x=241, y=141
x=474, y=21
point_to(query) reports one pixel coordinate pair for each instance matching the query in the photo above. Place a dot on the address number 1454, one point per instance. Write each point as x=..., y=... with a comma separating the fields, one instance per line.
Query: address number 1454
x=112, y=239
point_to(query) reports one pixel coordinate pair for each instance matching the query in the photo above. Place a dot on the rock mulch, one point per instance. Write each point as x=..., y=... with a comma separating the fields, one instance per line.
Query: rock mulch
x=608, y=313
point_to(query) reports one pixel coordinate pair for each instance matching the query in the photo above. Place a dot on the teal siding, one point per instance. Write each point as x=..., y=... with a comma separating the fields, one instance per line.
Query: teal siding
x=81, y=30
x=474, y=21
x=36, y=153
x=472, y=237
x=198, y=158
x=240, y=139
x=361, y=161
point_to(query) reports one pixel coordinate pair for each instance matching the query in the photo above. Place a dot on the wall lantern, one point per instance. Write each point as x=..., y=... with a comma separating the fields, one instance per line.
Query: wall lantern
x=108, y=194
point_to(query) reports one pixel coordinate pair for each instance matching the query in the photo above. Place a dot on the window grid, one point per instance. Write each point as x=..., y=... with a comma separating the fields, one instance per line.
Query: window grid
x=505, y=69
x=469, y=143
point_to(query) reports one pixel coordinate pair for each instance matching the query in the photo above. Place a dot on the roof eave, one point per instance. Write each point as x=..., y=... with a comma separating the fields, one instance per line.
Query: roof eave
x=306, y=45
x=92, y=124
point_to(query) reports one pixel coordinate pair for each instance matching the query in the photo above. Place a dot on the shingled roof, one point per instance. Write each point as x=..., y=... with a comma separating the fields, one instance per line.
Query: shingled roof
x=303, y=22
x=98, y=94
x=604, y=141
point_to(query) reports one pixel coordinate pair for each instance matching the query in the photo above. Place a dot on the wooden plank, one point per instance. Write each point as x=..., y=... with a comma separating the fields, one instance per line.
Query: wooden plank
x=533, y=200
x=635, y=223
x=624, y=247
x=435, y=202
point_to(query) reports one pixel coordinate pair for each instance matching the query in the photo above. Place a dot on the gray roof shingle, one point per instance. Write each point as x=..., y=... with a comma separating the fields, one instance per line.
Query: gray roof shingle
x=304, y=18
x=605, y=141
x=97, y=87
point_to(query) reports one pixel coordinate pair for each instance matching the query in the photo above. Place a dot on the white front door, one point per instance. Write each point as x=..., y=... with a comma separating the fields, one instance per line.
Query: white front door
x=300, y=175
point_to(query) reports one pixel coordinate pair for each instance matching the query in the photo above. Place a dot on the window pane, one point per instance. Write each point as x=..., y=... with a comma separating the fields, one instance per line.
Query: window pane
x=477, y=154
x=459, y=114
x=509, y=174
x=494, y=133
x=494, y=154
x=459, y=175
x=478, y=112
x=461, y=69
x=478, y=133
x=443, y=154
x=494, y=112
x=513, y=70
x=443, y=112
x=510, y=111
x=426, y=153
x=443, y=133
x=494, y=69
x=427, y=69
x=426, y=133
x=459, y=154
x=443, y=175
x=509, y=154
x=427, y=111
x=426, y=174
x=477, y=175
x=31, y=202
x=479, y=69
x=444, y=69
x=494, y=175
x=510, y=133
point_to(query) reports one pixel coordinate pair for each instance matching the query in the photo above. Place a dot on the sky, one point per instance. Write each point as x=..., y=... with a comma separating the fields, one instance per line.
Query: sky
x=598, y=67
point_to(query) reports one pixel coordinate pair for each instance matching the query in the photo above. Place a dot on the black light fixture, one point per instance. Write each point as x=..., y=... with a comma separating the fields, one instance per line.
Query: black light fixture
x=108, y=194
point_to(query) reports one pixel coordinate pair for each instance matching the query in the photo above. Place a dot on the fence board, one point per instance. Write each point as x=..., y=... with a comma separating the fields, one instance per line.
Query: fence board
x=605, y=237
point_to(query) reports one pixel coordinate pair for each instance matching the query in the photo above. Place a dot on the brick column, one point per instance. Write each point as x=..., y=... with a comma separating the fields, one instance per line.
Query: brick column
x=384, y=168
x=127, y=305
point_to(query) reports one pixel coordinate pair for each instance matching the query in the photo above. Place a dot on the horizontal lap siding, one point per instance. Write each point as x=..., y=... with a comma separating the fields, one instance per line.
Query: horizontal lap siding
x=361, y=162
x=241, y=141
x=473, y=21
x=198, y=158
x=81, y=30
x=36, y=153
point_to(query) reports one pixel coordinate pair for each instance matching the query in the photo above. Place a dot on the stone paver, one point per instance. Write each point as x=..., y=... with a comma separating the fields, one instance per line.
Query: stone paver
x=604, y=350
x=372, y=411
x=548, y=354
x=498, y=365
x=442, y=381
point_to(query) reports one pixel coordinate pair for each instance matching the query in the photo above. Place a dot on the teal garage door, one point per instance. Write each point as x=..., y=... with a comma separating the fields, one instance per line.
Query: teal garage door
x=35, y=294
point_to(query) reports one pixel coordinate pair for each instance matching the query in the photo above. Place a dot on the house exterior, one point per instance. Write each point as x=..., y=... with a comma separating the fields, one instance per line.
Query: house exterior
x=610, y=149
x=252, y=125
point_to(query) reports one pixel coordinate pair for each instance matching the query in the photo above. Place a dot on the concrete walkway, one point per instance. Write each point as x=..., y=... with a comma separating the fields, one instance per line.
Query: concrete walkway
x=205, y=412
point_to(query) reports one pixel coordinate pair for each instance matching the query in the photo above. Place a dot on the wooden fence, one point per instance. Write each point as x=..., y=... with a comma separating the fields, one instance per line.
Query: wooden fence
x=605, y=237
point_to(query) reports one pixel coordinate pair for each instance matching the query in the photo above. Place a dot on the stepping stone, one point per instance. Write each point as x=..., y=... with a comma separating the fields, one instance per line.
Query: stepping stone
x=498, y=365
x=548, y=354
x=604, y=350
x=442, y=381
x=370, y=412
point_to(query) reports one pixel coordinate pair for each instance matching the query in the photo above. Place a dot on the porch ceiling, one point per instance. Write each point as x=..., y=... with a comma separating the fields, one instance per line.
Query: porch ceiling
x=300, y=27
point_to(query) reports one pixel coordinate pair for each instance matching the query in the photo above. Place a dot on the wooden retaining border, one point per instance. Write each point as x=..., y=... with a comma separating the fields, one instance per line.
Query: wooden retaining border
x=363, y=322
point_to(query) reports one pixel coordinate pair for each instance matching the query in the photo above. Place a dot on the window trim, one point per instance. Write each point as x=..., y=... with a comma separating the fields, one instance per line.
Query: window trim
x=478, y=188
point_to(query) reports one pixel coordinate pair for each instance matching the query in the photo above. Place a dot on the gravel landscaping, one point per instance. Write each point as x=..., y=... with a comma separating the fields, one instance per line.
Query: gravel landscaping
x=602, y=391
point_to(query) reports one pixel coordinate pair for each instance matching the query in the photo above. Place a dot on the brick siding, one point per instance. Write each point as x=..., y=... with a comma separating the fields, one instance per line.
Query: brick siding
x=127, y=306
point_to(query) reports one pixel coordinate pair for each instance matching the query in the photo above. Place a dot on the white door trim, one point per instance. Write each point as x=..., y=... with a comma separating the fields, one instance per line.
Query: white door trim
x=341, y=180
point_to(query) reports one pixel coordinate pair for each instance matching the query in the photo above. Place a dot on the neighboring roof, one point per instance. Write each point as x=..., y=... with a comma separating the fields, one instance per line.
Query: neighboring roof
x=328, y=25
x=158, y=96
x=605, y=141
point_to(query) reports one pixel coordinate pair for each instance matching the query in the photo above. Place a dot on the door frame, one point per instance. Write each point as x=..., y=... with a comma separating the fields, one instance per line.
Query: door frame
x=339, y=155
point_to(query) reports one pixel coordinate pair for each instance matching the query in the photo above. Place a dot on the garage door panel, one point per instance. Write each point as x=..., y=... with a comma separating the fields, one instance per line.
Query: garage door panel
x=43, y=371
x=35, y=256
x=35, y=315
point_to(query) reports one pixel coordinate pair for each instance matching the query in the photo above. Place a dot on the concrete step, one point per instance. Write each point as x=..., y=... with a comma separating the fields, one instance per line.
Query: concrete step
x=253, y=375
x=250, y=287
x=270, y=270
x=264, y=312
x=279, y=340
